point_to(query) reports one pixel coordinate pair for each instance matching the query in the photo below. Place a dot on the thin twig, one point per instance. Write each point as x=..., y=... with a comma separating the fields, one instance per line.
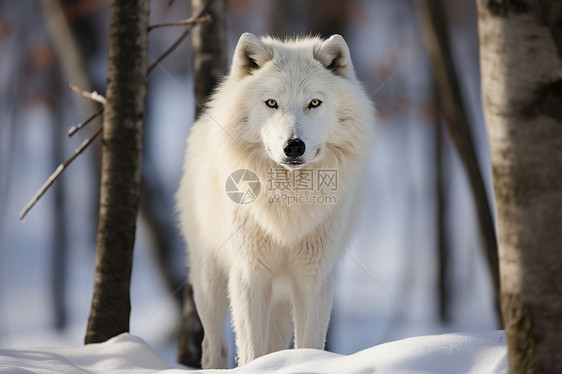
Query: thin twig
x=99, y=98
x=74, y=129
x=184, y=22
x=88, y=95
x=179, y=40
x=53, y=177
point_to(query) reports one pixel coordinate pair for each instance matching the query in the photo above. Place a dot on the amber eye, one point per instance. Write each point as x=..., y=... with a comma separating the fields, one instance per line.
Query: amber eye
x=315, y=103
x=271, y=103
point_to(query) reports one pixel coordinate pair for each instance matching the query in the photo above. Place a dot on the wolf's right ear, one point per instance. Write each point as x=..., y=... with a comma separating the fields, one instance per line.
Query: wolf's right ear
x=250, y=55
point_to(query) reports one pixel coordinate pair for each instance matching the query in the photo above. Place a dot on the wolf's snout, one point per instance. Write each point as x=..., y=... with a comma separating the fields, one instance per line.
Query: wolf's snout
x=294, y=148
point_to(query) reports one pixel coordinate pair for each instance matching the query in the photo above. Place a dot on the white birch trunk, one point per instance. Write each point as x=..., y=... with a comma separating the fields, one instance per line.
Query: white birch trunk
x=521, y=63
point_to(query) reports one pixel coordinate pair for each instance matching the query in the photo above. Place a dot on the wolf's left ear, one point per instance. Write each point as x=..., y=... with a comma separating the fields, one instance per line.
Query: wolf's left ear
x=334, y=54
x=250, y=55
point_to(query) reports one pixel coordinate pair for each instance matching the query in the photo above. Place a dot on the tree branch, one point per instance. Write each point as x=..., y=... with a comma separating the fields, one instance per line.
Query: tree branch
x=87, y=94
x=179, y=40
x=100, y=99
x=53, y=177
x=74, y=129
x=189, y=21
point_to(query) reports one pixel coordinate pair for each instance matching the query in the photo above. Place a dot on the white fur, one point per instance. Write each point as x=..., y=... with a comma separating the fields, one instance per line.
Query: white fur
x=272, y=261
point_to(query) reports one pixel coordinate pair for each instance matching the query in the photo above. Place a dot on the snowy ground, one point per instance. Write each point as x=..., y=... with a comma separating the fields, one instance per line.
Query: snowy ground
x=450, y=353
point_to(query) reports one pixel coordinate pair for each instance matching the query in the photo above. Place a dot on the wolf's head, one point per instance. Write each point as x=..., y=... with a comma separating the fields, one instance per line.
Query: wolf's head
x=297, y=96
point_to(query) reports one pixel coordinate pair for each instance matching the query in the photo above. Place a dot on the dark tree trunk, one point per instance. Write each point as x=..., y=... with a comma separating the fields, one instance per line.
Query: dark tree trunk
x=450, y=104
x=440, y=229
x=191, y=331
x=210, y=65
x=521, y=60
x=60, y=229
x=209, y=50
x=120, y=175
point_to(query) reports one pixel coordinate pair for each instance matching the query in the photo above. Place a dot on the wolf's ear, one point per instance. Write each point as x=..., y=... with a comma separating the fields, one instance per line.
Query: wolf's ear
x=333, y=53
x=250, y=55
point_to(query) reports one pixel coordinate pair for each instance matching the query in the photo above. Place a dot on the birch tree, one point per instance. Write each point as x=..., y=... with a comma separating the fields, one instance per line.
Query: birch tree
x=521, y=65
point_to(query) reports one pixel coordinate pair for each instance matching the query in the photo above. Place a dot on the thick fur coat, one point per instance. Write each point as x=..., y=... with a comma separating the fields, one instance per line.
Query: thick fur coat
x=285, y=107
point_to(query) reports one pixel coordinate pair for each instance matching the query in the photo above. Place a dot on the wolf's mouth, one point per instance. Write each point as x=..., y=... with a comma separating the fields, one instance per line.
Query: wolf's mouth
x=293, y=163
x=297, y=163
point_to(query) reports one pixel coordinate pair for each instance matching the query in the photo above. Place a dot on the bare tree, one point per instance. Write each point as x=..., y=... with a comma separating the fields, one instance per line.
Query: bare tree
x=120, y=176
x=60, y=250
x=443, y=250
x=210, y=65
x=451, y=107
x=209, y=50
x=521, y=61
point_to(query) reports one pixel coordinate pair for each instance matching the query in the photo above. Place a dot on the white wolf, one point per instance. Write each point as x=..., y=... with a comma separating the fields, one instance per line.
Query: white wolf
x=290, y=105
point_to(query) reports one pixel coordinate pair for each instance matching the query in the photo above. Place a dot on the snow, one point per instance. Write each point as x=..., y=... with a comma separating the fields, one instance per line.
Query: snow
x=449, y=353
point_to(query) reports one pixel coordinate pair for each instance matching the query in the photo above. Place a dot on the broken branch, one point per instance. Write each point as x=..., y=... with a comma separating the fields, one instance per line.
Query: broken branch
x=184, y=22
x=53, y=177
x=88, y=95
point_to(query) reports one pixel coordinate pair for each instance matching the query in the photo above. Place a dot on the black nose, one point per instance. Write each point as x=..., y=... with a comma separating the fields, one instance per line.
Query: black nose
x=294, y=148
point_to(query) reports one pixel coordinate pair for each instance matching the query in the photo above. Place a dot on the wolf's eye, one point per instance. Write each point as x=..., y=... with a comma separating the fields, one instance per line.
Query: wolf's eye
x=315, y=103
x=271, y=103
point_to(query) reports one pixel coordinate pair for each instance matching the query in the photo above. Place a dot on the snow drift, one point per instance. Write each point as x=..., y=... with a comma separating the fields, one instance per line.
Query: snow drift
x=450, y=353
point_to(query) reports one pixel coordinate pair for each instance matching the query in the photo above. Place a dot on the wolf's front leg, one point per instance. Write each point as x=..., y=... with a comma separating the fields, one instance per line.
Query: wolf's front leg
x=311, y=308
x=250, y=295
x=209, y=291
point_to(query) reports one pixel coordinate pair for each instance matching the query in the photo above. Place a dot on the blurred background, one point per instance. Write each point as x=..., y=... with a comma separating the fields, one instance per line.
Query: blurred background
x=386, y=286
